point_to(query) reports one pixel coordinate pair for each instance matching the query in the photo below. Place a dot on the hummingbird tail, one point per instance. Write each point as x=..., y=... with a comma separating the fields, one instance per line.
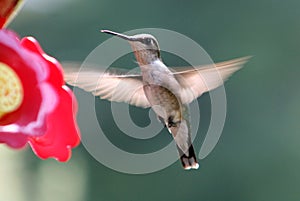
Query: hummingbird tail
x=181, y=131
x=189, y=160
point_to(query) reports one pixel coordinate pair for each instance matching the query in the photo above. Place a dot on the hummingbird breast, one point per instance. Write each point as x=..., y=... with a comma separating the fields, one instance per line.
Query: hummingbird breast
x=164, y=103
x=162, y=90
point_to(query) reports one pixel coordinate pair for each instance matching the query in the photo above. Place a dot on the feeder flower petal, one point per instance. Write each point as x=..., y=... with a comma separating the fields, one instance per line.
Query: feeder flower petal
x=35, y=104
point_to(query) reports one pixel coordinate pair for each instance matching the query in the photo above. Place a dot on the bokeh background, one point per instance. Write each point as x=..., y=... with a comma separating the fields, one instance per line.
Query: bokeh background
x=257, y=157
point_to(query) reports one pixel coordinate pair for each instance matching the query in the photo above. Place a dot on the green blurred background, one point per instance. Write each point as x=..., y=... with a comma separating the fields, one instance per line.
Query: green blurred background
x=257, y=157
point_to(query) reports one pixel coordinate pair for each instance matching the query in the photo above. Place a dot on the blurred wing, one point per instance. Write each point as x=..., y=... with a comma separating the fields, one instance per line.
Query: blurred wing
x=112, y=84
x=201, y=79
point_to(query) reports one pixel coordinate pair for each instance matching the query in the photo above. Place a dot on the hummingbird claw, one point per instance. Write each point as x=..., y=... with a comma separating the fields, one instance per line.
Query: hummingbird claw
x=171, y=122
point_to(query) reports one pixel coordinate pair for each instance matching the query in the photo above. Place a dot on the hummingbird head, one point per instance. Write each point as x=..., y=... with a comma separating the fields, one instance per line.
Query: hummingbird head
x=145, y=46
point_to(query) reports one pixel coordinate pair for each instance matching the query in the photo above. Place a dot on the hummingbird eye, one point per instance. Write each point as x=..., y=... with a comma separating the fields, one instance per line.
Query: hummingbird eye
x=148, y=41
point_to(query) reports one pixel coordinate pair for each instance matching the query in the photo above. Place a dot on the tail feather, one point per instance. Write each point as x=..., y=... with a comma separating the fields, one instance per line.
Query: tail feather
x=181, y=132
x=189, y=160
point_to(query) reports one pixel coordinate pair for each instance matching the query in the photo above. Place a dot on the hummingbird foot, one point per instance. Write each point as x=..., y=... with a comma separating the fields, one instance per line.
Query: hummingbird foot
x=171, y=122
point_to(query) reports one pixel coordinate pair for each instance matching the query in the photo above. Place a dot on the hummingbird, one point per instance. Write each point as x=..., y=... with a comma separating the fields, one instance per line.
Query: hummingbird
x=168, y=91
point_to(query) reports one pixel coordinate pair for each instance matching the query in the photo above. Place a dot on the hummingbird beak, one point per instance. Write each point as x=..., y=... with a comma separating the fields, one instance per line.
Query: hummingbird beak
x=129, y=38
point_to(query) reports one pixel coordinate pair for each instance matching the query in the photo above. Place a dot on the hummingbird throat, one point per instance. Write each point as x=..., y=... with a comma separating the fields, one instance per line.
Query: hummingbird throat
x=146, y=56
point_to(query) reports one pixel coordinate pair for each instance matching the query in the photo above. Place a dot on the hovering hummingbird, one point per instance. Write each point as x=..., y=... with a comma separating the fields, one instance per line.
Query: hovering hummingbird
x=167, y=91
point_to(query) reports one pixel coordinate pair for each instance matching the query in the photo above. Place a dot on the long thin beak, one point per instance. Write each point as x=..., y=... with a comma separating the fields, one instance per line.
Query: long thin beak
x=129, y=38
